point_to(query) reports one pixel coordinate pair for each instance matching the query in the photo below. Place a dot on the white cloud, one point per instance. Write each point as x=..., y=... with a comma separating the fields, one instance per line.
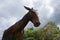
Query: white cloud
x=28, y=3
x=48, y=9
x=51, y=11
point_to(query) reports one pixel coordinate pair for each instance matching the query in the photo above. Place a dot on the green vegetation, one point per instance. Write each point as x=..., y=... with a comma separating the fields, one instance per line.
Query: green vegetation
x=49, y=32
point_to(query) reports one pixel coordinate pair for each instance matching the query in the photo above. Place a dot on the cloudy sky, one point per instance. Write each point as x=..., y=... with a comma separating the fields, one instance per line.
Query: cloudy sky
x=12, y=10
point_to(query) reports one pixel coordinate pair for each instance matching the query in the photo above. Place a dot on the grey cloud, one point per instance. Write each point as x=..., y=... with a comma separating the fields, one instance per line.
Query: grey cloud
x=11, y=9
x=56, y=14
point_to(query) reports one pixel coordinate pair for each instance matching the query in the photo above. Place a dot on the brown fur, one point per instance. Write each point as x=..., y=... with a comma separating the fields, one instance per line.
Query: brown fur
x=15, y=32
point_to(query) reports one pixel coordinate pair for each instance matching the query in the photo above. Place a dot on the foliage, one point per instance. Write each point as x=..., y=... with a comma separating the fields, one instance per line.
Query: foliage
x=49, y=32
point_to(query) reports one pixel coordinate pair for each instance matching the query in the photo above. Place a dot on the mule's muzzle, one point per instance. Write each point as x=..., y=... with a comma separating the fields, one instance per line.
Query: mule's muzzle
x=37, y=24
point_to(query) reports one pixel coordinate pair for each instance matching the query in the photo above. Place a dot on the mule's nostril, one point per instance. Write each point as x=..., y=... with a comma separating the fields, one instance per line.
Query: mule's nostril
x=37, y=24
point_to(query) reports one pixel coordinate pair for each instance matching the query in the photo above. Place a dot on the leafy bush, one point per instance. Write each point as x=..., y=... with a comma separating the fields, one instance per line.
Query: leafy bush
x=49, y=32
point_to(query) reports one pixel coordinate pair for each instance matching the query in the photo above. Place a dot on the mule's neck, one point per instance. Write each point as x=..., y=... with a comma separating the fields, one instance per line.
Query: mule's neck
x=20, y=25
x=23, y=22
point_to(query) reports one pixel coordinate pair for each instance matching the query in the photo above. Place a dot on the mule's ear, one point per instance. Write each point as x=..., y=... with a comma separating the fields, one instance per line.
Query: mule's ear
x=27, y=8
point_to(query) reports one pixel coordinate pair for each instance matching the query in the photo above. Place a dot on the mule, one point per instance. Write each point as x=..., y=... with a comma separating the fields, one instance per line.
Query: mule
x=15, y=32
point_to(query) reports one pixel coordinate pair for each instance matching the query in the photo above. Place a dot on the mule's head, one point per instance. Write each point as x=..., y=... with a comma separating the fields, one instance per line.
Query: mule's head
x=33, y=17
